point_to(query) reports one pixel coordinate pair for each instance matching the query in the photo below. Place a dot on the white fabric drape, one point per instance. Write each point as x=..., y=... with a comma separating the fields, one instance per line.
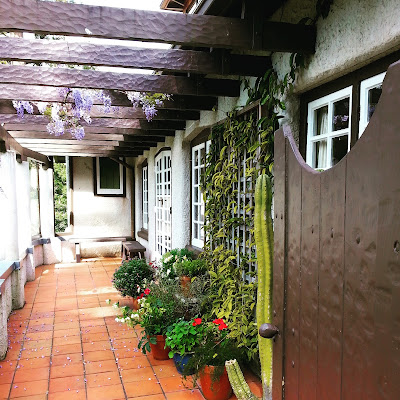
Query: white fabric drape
x=322, y=126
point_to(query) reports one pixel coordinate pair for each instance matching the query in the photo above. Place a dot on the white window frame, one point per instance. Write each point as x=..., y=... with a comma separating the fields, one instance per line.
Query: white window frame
x=99, y=190
x=145, y=197
x=163, y=216
x=366, y=86
x=197, y=241
x=311, y=139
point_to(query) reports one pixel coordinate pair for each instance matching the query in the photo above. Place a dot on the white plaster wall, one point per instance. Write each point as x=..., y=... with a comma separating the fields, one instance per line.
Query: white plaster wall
x=22, y=184
x=97, y=216
x=9, y=215
x=355, y=33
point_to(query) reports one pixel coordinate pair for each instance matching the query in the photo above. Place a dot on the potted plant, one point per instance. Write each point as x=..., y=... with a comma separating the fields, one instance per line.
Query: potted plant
x=167, y=268
x=182, y=338
x=131, y=279
x=189, y=269
x=208, y=361
x=160, y=308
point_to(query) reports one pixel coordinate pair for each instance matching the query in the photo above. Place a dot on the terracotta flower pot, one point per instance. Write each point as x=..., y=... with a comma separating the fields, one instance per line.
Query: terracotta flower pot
x=185, y=283
x=158, y=350
x=135, y=304
x=215, y=389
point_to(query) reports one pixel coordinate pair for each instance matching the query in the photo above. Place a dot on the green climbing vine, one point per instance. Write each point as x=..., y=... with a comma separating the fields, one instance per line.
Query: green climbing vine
x=241, y=148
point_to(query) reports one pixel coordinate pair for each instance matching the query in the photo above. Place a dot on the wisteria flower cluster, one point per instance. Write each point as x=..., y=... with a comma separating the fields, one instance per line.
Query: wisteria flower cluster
x=64, y=116
x=148, y=102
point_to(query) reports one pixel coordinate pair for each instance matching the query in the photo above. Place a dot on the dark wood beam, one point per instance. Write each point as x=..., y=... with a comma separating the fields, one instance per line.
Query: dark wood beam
x=143, y=139
x=88, y=153
x=38, y=147
x=137, y=145
x=10, y=119
x=10, y=143
x=92, y=130
x=6, y=107
x=153, y=26
x=21, y=135
x=169, y=60
x=67, y=142
x=51, y=94
x=67, y=77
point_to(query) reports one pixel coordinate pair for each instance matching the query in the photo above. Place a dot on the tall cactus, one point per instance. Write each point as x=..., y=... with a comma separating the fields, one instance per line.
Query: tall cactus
x=264, y=237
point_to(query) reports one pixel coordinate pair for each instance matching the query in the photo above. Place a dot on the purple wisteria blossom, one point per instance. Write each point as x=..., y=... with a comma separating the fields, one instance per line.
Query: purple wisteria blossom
x=78, y=132
x=150, y=111
x=22, y=106
x=56, y=128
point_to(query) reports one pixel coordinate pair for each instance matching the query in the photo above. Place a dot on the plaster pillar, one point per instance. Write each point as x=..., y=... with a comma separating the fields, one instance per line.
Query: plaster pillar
x=3, y=327
x=180, y=166
x=17, y=289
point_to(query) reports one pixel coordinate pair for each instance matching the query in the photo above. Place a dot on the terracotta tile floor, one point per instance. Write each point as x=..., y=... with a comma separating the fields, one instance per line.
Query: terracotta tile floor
x=65, y=343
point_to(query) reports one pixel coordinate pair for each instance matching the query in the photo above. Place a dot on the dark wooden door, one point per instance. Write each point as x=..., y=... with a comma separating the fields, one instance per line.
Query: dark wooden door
x=336, y=276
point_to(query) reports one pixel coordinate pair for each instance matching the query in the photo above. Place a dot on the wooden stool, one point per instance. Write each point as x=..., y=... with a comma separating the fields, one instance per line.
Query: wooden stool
x=131, y=250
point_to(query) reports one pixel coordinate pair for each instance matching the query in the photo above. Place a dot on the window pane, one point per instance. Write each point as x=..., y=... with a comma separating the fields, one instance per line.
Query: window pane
x=339, y=148
x=321, y=117
x=109, y=174
x=341, y=114
x=373, y=97
x=320, y=154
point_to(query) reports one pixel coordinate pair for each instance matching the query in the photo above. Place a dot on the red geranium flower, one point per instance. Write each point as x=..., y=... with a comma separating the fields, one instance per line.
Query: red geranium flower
x=147, y=291
x=197, y=321
x=218, y=321
x=222, y=326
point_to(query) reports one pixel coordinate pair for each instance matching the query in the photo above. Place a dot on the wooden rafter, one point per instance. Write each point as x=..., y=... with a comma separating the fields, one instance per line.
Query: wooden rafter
x=170, y=60
x=51, y=94
x=67, y=77
x=6, y=107
x=10, y=119
x=154, y=26
x=7, y=142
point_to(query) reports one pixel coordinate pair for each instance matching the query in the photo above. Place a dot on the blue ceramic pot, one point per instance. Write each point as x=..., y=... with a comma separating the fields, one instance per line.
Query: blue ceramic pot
x=181, y=361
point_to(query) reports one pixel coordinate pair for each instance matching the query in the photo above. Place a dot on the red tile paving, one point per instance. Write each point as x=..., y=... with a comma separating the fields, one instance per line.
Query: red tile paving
x=65, y=343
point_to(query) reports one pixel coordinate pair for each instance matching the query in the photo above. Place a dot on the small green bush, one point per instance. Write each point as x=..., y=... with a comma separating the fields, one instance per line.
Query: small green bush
x=132, y=277
x=191, y=268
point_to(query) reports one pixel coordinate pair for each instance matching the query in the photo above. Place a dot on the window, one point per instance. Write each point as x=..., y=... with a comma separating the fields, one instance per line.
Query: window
x=109, y=177
x=328, y=132
x=198, y=165
x=34, y=199
x=370, y=92
x=163, y=202
x=145, y=198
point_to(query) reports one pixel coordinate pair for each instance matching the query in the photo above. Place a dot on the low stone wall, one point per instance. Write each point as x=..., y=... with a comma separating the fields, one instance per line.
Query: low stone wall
x=13, y=277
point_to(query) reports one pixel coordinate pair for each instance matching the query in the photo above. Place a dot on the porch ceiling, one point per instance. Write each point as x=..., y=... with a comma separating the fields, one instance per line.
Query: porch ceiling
x=184, y=71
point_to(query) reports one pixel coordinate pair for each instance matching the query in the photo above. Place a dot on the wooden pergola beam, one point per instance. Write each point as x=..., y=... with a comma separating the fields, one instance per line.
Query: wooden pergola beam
x=7, y=142
x=67, y=142
x=67, y=77
x=51, y=94
x=97, y=111
x=169, y=60
x=10, y=119
x=41, y=129
x=44, y=136
x=154, y=26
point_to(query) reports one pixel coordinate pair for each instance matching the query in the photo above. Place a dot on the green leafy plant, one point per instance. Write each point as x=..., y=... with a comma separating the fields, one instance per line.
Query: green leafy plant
x=183, y=336
x=132, y=277
x=191, y=268
x=60, y=196
x=167, y=263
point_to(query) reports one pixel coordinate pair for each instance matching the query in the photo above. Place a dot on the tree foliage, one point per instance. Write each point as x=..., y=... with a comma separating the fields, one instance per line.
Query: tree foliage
x=60, y=197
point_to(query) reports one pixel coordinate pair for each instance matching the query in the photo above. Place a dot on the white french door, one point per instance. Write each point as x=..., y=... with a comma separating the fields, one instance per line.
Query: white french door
x=163, y=202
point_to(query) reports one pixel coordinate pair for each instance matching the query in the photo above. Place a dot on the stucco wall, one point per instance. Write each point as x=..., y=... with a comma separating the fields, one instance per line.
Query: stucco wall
x=98, y=216
x=354, y=34
x=180, y=176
